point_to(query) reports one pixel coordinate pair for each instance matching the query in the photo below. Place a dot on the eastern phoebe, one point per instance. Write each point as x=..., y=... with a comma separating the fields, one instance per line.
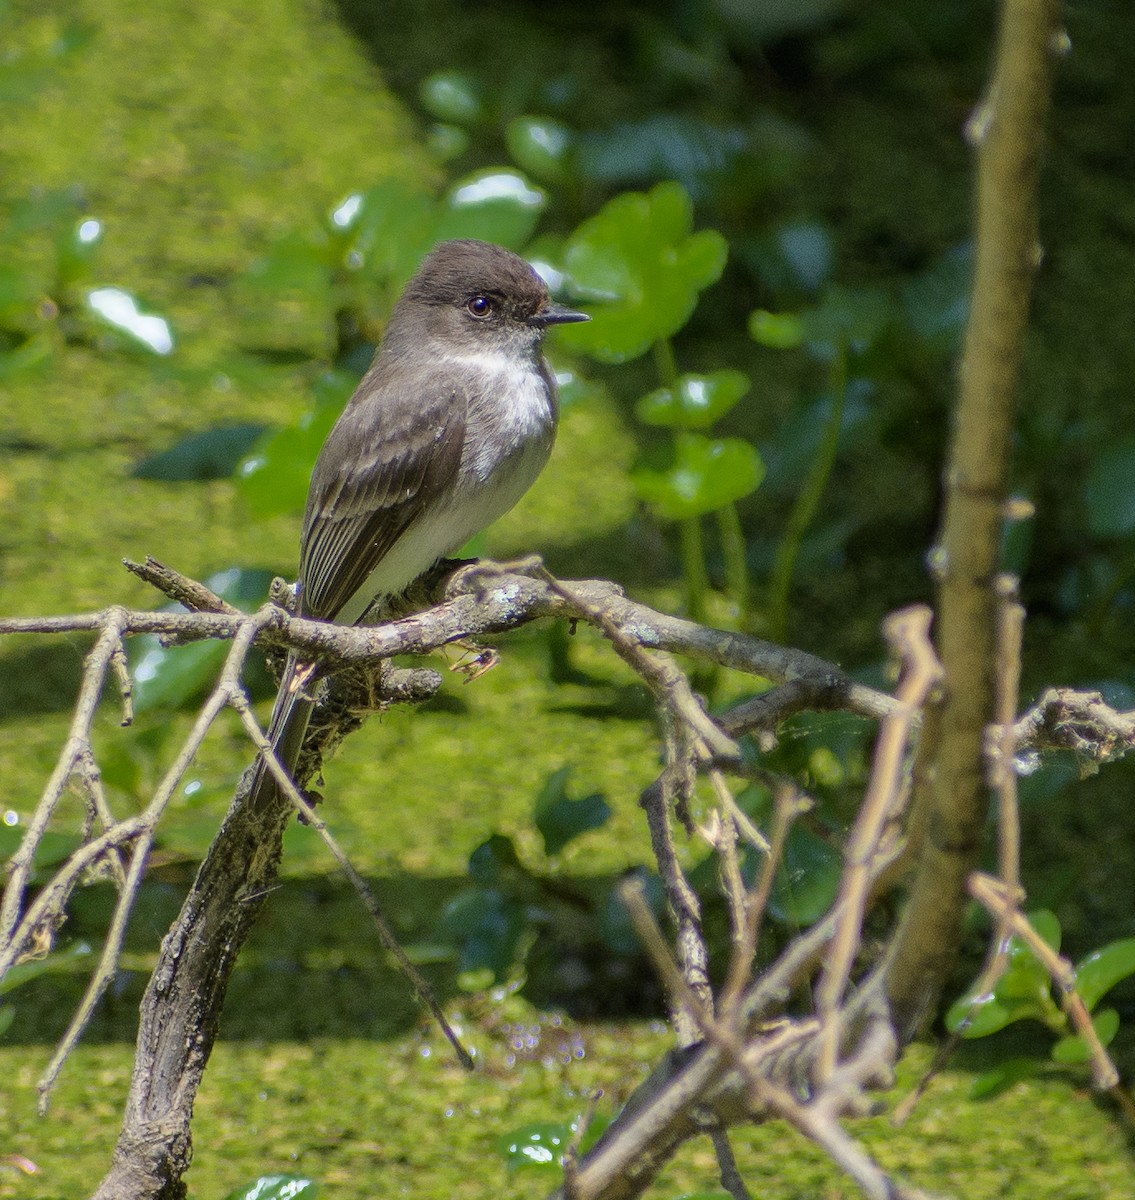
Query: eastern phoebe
x=446, y=431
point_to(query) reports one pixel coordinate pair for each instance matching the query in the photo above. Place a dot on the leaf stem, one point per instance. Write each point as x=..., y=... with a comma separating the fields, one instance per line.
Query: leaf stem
x=693, y=567
x=736, y=565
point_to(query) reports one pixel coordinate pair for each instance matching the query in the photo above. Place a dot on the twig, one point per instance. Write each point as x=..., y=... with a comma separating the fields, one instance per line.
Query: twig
x=422, y=990
x=1002, y=905
x=908, y=633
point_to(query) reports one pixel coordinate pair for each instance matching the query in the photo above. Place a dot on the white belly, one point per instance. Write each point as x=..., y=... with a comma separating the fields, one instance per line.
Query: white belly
x=506, y=447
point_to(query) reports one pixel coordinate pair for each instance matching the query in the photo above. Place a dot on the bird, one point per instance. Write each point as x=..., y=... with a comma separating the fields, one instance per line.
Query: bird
x=451, y=424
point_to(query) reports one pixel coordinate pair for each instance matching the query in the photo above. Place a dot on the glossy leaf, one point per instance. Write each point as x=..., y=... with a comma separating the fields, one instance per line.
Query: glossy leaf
x=493, y=205
x=275, y=476
x=1023, y=992
x=1109, y=490
x=1074, y=1048
x=213, y=454
x=453, y=96
x=383, y=231
x=170, y=676
x=694, y=402
x=561, y=819
x=536, y=1147
x=119, y=311
x=707, y=474
x=541, y=146
x=1101, y=970
x=276, y=1187
x=638, y=259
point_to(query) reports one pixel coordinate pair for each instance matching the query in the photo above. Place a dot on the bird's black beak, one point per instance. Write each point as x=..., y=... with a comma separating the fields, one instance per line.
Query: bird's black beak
x=556, y=314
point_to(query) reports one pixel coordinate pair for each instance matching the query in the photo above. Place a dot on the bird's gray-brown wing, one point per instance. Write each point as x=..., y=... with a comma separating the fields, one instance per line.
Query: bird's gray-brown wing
x=392, y=451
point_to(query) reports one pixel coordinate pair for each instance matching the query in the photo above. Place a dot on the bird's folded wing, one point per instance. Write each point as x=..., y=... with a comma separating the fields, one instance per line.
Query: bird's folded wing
x=392, y=452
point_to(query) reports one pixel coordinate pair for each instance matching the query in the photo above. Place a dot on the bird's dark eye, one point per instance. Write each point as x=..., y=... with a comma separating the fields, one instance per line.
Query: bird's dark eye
x=480, y=307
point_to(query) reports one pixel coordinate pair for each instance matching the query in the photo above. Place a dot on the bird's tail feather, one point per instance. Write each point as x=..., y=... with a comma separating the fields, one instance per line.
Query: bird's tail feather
x=290, y=716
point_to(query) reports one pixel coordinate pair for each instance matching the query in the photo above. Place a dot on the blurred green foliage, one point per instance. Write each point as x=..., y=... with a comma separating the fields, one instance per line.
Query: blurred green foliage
x=1024, y=991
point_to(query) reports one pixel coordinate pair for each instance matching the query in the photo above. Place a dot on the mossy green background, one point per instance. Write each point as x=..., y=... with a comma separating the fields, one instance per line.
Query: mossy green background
x=198, y=133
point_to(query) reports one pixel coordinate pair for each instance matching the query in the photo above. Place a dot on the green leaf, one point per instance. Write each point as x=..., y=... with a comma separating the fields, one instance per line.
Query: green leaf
x=7, y=1016
x=493, y=205
x=707, y=475
x=171, y=676
x=119, y=311
x=213, y=454
x=1109, y=491
x=487, y=926
x=1000, y=1078
x=808, y=879
x=494, y=859
x=275, y=476
x=561, y=819
x=384, y=231
x=1101, y=970
x=540, y=145
x=986, y=1014
x=453, y=96
x=695, y=401
x=639, y=257
x=846, y=316
x=1074, y=1049
x=276, y=1187
x=778, y=331
x=537, y=1147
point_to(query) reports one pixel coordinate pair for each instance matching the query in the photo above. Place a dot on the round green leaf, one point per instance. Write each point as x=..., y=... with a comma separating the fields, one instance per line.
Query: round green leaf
x=1074, y=1049
x=383, y=231
x=561, y=819
x=707, y=475
x=540, y=145
x=986, y=1014
x=452, y=96
x=539, y=1147
x=640, y=260
x=778, y=331
x=487, y=926
x=695, y=401
x=1101, y=970
x=494, y=205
